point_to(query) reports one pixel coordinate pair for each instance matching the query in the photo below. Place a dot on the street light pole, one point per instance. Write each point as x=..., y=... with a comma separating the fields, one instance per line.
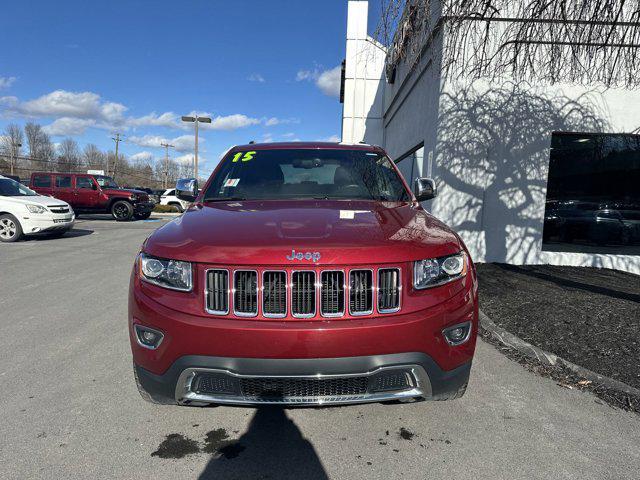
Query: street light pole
x=196, y=120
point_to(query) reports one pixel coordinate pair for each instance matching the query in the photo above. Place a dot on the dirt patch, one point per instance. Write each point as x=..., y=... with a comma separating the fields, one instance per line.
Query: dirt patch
x=589, y=316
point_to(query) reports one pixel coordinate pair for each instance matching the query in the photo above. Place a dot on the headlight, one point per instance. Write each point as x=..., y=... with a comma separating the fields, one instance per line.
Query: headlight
x=437, y=271
x=36, y=208
x=133, y=197
x=172, y=274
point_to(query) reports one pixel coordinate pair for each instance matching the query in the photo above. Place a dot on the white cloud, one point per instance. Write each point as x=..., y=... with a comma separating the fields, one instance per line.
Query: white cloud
x=331, y=138
x=67, y=126
x=6, y=82
x=167, y=119
x=232, y=122
x=60, y=103
x=183, y=143
x=328, y=81
x=272, y=121
x=267, y=138
x=256, y=77
x=143, y=156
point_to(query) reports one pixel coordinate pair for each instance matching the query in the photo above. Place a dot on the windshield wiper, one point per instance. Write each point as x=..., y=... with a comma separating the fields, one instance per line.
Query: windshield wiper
x=223, y=199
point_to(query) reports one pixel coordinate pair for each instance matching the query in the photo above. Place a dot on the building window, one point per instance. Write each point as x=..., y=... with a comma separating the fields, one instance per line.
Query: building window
x=410, y=164
x=593, y=194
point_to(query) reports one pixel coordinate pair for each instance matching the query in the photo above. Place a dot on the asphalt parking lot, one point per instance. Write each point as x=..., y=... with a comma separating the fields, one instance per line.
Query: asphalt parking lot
x=69, y=406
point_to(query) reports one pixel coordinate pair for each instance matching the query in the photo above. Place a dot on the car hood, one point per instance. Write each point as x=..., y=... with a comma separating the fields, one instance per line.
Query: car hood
x=266, y=233
x=38, y=199
x=124, y=192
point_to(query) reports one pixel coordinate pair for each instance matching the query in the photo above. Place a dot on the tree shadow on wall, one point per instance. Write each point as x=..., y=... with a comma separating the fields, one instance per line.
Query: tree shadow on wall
x=493, y=158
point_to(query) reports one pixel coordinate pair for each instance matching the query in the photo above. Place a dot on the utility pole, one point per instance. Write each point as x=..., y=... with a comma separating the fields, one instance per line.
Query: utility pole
x=116, y=139
x=166, y=163
x=196, y=120
x=14, y=154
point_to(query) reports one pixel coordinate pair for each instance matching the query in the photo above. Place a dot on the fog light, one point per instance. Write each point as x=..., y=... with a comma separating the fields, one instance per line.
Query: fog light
x=148, y=337
x=457, y=334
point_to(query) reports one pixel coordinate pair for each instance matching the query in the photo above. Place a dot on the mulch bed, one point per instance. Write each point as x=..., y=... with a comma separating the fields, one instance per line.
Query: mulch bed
x=589, y=316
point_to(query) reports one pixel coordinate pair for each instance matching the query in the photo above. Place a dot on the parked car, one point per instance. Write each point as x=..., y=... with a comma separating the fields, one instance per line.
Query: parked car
x=169, y=198
x=306, y=273
x=24, y=212
x=93, y=194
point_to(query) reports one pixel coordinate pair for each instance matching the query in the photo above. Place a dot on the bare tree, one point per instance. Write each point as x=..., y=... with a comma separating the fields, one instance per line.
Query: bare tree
x=92, y=157
x=12, y=140
x=582, y=41
x=69, y=158
x=35, y=137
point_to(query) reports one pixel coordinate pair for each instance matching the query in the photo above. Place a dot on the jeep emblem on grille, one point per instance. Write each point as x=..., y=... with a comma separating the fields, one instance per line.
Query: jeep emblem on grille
x=315, y=256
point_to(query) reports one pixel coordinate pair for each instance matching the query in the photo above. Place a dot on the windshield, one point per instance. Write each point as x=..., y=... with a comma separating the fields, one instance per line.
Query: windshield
x=106, y=182
x=306, y=173
x=11, y=188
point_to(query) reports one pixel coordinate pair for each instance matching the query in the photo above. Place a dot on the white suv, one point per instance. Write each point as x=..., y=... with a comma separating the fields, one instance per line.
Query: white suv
x=24, y=212
x=169, y=198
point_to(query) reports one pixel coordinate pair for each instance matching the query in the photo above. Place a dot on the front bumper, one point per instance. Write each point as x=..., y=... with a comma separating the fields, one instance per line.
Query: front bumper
x=47, y=223
x=143, y=207
x=428, y=380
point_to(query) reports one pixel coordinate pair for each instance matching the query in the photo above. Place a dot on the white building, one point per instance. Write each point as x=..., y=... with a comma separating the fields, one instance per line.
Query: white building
x=489, y=144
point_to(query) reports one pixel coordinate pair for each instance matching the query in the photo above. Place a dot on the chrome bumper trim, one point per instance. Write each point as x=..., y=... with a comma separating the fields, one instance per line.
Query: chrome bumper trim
x=185, y=396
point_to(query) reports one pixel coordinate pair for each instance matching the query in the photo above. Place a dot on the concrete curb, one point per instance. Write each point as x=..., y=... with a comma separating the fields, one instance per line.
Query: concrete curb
x=546, y=358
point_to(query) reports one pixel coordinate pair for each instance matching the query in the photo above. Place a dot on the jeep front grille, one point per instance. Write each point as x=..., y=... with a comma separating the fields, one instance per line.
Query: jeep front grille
x=303, y=294
x=218, y=292
x=388, y=290
x=245, y=298
x=274, y=294
x=361, y=292
x=332, y=294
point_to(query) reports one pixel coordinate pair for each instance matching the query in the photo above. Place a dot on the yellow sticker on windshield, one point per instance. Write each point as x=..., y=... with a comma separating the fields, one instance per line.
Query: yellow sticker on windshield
x=244, y=156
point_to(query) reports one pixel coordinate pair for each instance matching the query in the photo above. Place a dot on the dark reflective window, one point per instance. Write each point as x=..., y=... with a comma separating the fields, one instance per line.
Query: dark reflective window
x=63, y=181
x=593, y=194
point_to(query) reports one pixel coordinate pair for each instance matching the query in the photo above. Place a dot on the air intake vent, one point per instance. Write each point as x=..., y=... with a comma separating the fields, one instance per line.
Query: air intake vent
x=332, y=294
x=303, y=294
x=218, y=292
x=388, y=290
x=245, y=298
x=274, y=295
x=361, y=292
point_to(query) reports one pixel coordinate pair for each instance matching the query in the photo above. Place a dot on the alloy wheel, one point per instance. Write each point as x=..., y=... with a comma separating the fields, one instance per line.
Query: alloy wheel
x=7, y=228
x=120, y=211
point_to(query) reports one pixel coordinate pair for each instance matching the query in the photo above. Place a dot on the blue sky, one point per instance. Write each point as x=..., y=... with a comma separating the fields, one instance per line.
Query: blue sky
x=266, y=70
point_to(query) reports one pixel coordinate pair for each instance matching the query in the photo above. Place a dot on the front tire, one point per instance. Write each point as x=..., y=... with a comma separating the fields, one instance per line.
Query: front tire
x=122, y=211
x=177, y=206
x=10, y=229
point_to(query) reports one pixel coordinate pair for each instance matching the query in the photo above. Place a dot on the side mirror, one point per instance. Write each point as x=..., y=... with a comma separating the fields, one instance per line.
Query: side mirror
x=425, y=189
x=187, y=189
x=94, y=186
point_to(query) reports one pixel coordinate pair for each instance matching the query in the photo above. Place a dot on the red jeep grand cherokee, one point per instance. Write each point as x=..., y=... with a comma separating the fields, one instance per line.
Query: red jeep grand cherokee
x=304, y=273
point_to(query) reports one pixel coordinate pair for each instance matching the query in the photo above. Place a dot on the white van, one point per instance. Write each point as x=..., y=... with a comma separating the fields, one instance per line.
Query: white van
x=24, y=212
